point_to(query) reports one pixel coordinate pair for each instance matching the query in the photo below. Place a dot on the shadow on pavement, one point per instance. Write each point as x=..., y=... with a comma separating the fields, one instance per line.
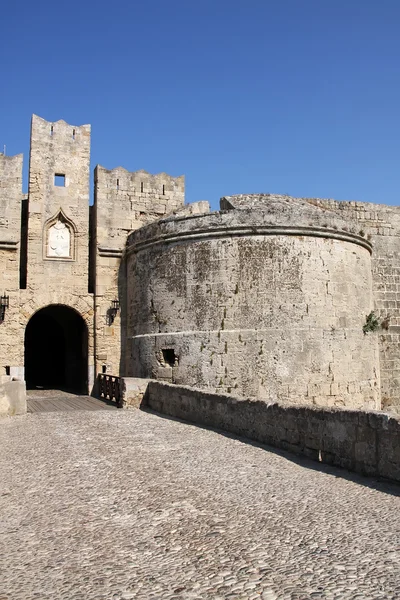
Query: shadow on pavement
x=376, y=483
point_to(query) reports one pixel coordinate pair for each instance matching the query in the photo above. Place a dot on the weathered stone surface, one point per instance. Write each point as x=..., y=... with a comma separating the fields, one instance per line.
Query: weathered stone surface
x=195, y=208
x=381, y=225
x=250, y=304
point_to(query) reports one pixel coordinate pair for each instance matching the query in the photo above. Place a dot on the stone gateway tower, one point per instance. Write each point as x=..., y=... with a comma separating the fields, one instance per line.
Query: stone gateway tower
x=56, y=306
x=272, y=297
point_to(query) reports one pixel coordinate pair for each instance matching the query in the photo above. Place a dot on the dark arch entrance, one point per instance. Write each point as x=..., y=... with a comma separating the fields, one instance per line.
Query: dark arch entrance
x=56, y=350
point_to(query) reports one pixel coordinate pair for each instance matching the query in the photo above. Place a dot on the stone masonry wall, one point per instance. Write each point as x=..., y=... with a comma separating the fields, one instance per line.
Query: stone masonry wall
x=381, y=224
x=363, y=441
x=234, y=302
x=124, y=202
x=10, y=215
x=58, y=149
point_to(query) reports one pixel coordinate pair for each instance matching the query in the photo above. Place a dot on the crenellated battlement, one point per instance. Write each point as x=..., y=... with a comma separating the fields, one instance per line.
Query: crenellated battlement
x=10, y=170
x=10, y=159
x=127, y=200
x=59, y=129
x=140, y=182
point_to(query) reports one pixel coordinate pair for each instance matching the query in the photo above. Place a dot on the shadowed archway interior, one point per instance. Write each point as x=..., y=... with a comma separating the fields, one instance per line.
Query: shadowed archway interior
x=56, y=350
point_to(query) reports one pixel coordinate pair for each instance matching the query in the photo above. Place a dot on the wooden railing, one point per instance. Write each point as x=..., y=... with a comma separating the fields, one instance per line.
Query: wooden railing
x=109, y=387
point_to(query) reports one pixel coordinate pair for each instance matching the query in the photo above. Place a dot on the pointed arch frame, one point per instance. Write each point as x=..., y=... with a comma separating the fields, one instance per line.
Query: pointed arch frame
x=60, y=216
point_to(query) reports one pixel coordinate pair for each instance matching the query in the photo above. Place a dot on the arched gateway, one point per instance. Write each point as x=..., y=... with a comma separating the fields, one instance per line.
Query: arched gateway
x=56, y=350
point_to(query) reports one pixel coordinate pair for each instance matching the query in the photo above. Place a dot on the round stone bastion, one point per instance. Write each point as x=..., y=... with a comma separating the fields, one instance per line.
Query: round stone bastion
x=265, y=299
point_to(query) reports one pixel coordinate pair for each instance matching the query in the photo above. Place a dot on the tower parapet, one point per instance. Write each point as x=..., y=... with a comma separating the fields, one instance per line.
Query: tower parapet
x=58, y=203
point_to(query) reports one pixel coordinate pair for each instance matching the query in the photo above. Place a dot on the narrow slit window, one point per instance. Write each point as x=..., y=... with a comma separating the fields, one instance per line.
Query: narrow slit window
x=104, y=369
x=163, y=190
x=51, y=130
x=117, y=184
x=8, y=370
x=59, y=180
x=141, y=186
x=73, y=134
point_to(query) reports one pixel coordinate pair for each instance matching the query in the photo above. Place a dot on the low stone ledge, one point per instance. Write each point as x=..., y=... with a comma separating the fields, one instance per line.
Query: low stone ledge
x=12, y=397
x=367, y=442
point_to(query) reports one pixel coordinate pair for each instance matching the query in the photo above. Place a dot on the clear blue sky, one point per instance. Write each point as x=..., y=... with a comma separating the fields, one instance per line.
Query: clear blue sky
x=286, y=96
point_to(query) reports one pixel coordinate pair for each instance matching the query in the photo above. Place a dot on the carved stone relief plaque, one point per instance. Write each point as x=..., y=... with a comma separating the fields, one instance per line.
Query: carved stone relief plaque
x=59, y=240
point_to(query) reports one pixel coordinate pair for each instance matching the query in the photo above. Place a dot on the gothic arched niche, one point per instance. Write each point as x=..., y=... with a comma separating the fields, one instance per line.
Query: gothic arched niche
x=59, y=238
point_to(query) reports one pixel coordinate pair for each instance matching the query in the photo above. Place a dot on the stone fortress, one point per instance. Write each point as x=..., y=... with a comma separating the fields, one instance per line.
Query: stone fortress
x=273, y=298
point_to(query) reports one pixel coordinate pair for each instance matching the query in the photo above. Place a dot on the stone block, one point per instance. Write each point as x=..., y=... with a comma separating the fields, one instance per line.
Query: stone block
x=133, y=391
x=164, y=373
x=12, y=398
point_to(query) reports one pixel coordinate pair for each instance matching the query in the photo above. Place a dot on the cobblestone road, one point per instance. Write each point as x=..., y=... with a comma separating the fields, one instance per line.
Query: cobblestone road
x=119, y=505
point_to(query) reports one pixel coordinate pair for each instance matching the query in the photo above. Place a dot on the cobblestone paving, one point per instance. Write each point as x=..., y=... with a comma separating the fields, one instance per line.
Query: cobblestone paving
x=117, y=505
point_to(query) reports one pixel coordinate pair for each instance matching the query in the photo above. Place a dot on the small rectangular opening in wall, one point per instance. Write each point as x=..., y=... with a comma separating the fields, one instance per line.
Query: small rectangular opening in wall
x=117, y=184
x=141, y=186
x=73, y=134
x=51, y=130
x=163, y=190
x=59, y=180
x=169, y=356
x=104, y=369
x=7, y=369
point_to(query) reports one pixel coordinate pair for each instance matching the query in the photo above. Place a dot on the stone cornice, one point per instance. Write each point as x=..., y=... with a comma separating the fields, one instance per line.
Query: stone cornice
x=110, y=252
x=8, y=245
x=246, y=231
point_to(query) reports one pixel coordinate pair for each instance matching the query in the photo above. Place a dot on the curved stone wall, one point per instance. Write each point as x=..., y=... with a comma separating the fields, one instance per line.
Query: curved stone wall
x=244, y=302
